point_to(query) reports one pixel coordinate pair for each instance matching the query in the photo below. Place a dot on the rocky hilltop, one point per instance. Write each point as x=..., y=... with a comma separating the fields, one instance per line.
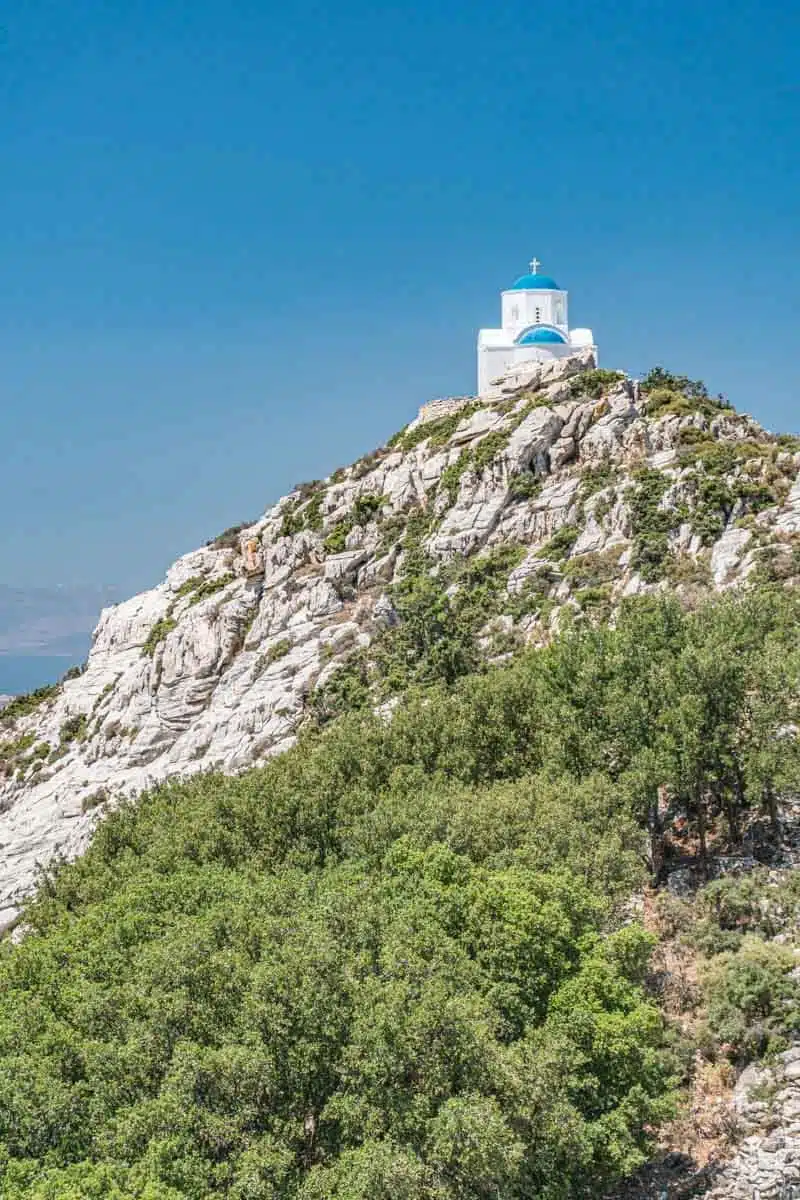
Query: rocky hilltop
x=561, y=491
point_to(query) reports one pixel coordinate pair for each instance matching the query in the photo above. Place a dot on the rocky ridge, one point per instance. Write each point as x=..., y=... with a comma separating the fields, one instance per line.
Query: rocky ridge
x=595, y=487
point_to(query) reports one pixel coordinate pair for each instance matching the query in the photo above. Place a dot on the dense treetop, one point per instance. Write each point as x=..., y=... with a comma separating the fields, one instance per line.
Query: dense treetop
x=396, y=962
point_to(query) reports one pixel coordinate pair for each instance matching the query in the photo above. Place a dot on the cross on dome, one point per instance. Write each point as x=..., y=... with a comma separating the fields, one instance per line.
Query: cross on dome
x=534, y=265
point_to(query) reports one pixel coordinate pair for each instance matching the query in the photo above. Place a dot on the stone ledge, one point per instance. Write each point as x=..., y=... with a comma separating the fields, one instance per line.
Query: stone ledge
x=440, y=408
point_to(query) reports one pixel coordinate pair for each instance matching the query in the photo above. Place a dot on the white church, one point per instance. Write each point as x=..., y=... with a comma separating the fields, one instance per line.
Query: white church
x=535, y=327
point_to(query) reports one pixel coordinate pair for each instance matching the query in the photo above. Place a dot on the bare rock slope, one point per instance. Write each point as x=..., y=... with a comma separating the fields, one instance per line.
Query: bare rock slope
x=603, y=488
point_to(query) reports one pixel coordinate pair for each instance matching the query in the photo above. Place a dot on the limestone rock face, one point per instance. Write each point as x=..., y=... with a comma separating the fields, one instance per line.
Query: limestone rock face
x=213, y=667
x=767, y=1164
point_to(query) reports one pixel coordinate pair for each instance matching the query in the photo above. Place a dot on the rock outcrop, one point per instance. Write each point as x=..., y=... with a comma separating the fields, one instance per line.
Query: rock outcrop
x=767, y=1163
x=606, y=492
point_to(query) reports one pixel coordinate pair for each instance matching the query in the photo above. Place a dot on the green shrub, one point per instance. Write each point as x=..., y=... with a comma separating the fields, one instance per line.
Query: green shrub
x=751, y=903
x=721, y=458
x=163, y=626
x=532, y=598
x=276, y=651
x=522, y=404
x=392, y=529
x=292, y=521
x=312, y=514
x=199, y=587
x=593, y=569
x=561, y=543
x=604, y=505
x=689, y=569
x=667, y=393
x=366, y=464
x=450, y=479
x=17, y=746
x=94, y=800
x=304, y=511
x=72, y=730
x=336, y=541
x=597, y=478
x=524, y=486
x=307, y=489
x=229, y=538
x=593, y=383
x=753, y=1004
x=474, y=458
x=777, y=561
x=487, y=449
x=651, y=525
x=662, y=402
x=481, y=581
x=23, y=706
x=712, y=508
x=347, y=690
x=657, y=378
x=437, y=433
x=716, y=495
x=365, y=508
x=596, y=599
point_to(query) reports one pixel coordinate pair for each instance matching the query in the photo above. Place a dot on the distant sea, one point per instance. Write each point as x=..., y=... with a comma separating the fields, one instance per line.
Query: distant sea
x=23, y=672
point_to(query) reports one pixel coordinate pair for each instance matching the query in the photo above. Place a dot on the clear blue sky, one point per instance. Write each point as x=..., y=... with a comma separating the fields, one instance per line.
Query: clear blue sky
x=240, y=242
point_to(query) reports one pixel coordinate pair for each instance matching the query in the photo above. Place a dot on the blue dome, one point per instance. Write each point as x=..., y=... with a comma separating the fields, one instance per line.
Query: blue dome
x=527, y=283
x=540, y=334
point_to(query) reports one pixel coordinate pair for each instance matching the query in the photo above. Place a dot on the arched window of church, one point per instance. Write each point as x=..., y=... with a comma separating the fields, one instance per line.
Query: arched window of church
x=515, y=313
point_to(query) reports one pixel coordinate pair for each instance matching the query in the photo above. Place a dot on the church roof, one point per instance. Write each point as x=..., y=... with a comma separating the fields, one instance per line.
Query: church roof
x=535, y=283
x=540, y=334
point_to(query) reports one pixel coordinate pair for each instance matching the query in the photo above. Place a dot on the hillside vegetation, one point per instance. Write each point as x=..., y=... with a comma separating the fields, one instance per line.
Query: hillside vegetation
x=470, y=535
x=400, y=962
